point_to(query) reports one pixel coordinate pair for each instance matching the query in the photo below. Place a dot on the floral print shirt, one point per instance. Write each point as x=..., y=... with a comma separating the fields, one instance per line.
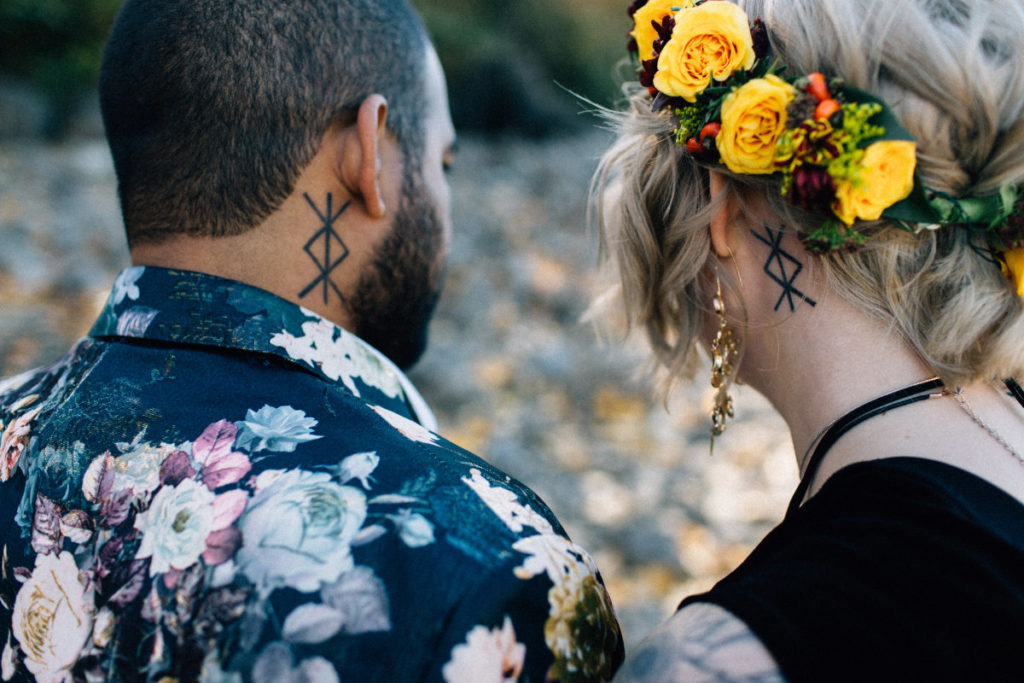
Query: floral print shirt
x=219, y=485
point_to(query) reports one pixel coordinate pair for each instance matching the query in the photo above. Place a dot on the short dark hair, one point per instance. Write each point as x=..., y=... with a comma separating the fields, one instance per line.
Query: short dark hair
x=212, y=108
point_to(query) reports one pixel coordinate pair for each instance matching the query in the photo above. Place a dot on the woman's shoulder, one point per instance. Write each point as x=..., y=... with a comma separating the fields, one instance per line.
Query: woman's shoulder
x=701, y=642
x=902, y=558
x=923, y=491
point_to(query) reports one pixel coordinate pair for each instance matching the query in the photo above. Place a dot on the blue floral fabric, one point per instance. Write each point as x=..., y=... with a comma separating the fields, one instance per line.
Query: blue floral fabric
x=220, y=485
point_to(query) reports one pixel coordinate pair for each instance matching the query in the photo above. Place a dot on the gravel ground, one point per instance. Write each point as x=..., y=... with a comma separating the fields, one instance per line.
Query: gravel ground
x=512, y=372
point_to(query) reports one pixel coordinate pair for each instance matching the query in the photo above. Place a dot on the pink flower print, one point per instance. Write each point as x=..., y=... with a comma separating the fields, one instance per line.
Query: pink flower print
x=219, y=464
x=224, y=539
x=13, y=441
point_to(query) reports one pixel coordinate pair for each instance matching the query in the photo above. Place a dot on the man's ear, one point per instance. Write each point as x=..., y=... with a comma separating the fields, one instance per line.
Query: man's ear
x=722, y=220
x=361, y=156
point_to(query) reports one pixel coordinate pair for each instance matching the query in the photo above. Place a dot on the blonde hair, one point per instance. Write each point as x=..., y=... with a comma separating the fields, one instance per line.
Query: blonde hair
x=953, y=73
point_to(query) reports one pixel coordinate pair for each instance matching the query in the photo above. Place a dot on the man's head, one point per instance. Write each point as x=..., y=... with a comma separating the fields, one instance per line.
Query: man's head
x=213, y=107
x=262, y=140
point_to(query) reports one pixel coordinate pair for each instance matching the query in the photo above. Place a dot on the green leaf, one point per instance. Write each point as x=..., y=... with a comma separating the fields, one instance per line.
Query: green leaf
x=894, y=130
x=915, y=208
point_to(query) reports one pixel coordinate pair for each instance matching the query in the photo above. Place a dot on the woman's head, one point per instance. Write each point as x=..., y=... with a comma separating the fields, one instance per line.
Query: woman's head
x=950, y=72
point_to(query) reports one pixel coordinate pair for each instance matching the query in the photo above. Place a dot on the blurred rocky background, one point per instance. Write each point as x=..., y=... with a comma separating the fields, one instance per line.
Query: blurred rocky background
x=512, y=371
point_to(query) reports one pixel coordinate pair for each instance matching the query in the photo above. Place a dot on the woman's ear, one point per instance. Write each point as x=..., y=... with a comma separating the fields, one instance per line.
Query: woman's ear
x=361, y=155
x=721, y=223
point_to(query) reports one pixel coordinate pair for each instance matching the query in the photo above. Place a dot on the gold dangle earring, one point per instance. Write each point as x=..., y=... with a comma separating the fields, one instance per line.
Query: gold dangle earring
x=723, y=364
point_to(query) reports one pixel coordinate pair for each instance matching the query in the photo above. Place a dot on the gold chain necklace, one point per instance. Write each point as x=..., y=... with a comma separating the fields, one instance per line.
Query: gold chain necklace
x=962, y=402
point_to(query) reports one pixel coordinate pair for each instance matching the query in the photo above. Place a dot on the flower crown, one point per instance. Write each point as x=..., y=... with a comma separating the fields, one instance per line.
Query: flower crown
x=839, y=152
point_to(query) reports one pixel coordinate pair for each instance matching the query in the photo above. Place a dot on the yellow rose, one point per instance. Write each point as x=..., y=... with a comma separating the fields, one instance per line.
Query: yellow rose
x=709, y=41
x=654, y=11
x=1013, y=266
x=753, y=118
x=886, y=177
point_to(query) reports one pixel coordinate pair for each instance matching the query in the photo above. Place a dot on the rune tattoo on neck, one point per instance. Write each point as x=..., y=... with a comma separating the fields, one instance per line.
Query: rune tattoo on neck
x=328, y=256
x=776, y=268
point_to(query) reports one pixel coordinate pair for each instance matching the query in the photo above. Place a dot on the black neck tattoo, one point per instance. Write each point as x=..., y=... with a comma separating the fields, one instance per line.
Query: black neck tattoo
x=775, y=267
x=330, y=261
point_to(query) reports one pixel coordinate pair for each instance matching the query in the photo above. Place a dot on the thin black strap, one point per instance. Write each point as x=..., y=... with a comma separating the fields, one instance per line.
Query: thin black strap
x=1015, y=390
x=912, y=394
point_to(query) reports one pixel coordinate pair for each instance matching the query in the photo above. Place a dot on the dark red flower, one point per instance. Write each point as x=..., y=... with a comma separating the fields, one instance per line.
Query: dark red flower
x=664, y=29
x=1012, y=231
x=650, y=67
x=813, y=189
x=635, y=5
x=759, y=34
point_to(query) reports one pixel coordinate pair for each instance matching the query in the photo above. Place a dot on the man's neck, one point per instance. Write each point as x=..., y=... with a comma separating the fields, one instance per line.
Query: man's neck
x=315, y=246
x=244, y=258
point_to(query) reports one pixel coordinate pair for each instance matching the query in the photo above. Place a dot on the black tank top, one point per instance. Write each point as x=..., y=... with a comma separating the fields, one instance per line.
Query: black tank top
x=898, y=569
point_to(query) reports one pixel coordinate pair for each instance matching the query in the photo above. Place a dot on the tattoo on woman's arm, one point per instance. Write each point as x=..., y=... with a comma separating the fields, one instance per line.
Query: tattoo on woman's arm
x=712, y=645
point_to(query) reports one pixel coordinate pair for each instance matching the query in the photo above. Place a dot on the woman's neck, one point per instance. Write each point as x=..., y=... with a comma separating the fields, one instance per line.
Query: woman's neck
x=815, y=371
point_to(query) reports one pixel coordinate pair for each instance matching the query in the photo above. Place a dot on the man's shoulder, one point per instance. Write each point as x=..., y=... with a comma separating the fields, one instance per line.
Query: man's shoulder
x=38, y=381
x=127, y=399
x=476, y=507
x=24, y=396
x=277, y=512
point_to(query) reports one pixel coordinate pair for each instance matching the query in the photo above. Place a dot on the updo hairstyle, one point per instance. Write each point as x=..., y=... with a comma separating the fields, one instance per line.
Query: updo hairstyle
x=952, y=71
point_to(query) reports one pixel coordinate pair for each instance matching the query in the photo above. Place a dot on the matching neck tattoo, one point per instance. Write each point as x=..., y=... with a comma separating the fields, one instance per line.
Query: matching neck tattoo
x=328, y=251
x=326, y=248
x=783, y=268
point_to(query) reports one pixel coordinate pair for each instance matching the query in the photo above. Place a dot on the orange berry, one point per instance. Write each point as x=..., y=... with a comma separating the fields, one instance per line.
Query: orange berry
x=711, y=129
x=826, y=108
x=817, y=88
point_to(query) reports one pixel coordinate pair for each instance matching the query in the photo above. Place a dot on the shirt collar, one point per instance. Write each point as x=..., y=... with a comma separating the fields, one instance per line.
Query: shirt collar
x=185, y=307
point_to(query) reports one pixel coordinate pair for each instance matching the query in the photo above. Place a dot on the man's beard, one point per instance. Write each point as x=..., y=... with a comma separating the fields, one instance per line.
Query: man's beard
x=395, y=299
